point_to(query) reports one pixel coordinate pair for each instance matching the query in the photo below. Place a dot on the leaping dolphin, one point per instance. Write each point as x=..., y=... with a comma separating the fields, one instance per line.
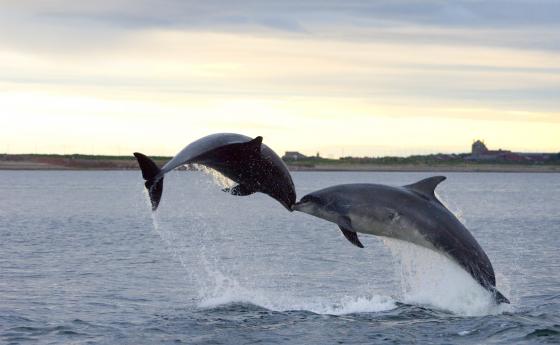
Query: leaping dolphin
x=411, y=213
x=246, y=161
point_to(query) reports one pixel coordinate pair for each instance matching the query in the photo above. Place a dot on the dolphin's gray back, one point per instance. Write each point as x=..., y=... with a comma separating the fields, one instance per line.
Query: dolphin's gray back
x=412, y=212
x=202, y=146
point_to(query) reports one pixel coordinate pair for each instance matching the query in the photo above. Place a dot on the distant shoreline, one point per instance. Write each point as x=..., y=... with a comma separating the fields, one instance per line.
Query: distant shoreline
x=498, y=168
x=92, y=163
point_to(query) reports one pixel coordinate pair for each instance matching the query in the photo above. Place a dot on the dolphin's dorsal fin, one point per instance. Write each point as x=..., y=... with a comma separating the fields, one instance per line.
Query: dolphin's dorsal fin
x=255, y=144
x=426, y=187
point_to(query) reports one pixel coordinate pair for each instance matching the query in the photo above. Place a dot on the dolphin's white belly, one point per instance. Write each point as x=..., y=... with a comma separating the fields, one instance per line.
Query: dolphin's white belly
x=398, y=228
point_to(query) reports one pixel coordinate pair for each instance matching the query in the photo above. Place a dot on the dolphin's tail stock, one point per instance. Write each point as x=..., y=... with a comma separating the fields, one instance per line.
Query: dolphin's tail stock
x=154, y=182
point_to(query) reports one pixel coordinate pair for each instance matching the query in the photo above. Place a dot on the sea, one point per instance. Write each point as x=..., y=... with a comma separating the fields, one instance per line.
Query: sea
x=83, y=260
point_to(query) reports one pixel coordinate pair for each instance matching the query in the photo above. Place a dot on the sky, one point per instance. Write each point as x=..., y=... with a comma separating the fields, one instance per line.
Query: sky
x=361, y=78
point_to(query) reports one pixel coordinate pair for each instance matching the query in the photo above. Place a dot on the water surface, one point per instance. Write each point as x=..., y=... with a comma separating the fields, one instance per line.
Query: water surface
x=83, y=260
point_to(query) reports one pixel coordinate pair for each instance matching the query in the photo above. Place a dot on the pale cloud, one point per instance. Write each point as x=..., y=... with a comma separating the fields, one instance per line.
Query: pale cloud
x=220, y=63
x=529, y=24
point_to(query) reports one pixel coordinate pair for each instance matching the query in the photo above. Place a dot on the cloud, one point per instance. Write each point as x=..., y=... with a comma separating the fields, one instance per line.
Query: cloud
x=481, y=13
x=517, y=23
x=221, y=65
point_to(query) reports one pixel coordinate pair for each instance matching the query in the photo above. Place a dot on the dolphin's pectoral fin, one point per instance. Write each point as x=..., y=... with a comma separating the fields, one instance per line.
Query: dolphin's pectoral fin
x=240, y=190
x=351, y=236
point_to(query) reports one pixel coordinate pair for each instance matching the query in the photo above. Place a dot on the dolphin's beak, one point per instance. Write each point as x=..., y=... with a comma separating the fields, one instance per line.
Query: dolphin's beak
x=297, y=206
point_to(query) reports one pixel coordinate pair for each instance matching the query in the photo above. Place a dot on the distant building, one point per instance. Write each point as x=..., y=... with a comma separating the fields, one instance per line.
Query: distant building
x=478, y=149
x=479, y=152
x=293, y=156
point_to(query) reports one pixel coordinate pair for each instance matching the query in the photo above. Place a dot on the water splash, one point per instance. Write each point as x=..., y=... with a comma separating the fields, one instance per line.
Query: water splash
x=175, y=244
x=429, y=278
x=218, y=288
x=233, y=292
x=217, y=177
x=170, y=239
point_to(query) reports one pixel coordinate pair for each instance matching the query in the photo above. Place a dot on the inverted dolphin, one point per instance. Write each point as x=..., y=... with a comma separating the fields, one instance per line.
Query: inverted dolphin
x=246, y=161
x=411, y=213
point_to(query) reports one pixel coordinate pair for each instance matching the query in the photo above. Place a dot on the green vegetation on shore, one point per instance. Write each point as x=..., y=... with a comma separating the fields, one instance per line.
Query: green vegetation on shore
x=432, y=159
x=75, y=156
x=435, y=162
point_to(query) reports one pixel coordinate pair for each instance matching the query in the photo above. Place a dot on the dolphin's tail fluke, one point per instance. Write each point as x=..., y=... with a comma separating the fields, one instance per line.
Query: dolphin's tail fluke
x=154, y=182
x=499, y=297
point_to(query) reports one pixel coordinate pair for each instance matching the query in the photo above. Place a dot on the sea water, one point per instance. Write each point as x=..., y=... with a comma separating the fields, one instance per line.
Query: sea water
x=84, y=260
